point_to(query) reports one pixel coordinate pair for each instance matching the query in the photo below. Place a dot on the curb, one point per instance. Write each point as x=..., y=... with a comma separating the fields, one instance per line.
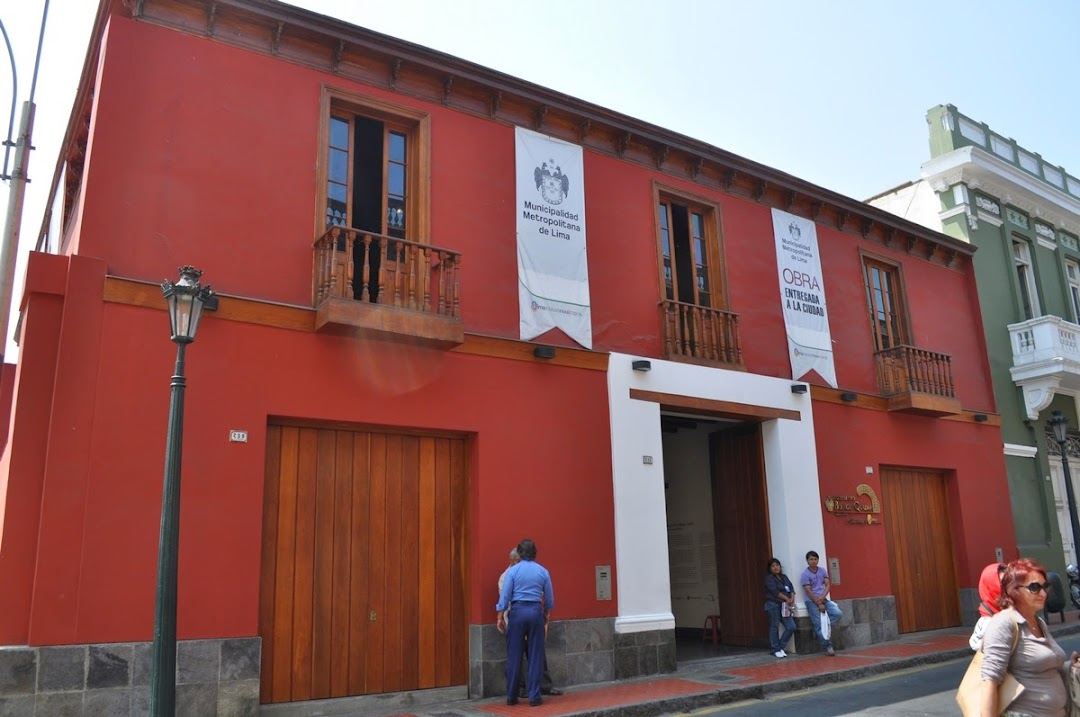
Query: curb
x=728, y=695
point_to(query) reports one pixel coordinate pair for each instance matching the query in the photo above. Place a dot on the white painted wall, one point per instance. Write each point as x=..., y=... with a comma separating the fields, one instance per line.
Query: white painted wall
x=641, y=549
x=916, y=202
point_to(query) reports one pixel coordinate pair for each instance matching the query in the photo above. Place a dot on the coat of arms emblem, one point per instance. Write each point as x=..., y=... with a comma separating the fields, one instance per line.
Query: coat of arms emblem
x=552, y=183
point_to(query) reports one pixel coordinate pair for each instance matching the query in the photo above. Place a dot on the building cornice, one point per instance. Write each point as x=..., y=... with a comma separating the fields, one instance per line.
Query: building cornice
x=354, y=53
x=978, y=169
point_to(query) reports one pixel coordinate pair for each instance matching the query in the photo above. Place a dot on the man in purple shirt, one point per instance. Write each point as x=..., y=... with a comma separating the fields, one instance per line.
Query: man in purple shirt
x=527, y=592
x=815, y=582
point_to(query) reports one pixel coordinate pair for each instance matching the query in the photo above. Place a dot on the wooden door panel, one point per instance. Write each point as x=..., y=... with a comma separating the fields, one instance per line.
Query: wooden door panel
x=425, y=616
x=304, y=556
x=410, y=558
x=390, y=615
x=740, y=516
x=364, y=565
x=359, y=566
x=443, y=538
x=919, y=539
x=342, y=562
x=376, y=544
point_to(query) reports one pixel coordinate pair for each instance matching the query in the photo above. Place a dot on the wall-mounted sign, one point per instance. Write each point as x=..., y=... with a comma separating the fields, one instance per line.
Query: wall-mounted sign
x=854, y=508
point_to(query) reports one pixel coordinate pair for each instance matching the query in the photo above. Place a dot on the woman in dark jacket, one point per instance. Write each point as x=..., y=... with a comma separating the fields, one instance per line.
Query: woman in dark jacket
x=779, y=594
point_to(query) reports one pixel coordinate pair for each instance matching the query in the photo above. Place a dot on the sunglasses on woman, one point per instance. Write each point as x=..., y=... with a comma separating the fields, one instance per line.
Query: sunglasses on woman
x=1036, y=588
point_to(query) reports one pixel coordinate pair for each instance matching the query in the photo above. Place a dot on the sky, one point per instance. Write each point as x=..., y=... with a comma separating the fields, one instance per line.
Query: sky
x=835, y=93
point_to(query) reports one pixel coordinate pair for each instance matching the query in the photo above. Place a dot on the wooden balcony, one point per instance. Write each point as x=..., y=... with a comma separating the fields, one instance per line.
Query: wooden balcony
x=917, y=381
x=699, y=334
x=380, y=287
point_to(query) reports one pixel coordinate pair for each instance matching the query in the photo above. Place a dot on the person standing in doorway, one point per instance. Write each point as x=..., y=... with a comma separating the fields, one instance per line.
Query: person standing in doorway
x=546, y=685
x=779, y=603
x=527, y=592
x=815, y=582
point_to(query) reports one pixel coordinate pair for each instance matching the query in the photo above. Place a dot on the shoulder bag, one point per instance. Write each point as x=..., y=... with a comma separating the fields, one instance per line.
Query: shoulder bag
x=1009, y=689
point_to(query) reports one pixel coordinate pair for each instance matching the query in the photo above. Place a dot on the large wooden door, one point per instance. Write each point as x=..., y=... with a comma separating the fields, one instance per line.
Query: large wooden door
x=915, y=504
x=363, y=566
x=741, y=519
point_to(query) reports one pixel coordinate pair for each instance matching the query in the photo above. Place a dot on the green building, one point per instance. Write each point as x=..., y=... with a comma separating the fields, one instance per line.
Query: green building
x=1023, y=215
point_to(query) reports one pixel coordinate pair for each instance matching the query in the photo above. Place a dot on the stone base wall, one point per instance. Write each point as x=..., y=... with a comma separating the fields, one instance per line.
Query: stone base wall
x=214, y=678
x=578, y=652
x=865, y=621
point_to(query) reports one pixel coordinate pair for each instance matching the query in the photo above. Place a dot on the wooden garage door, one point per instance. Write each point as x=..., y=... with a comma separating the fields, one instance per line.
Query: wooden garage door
x=363, y=566
x=921, y=563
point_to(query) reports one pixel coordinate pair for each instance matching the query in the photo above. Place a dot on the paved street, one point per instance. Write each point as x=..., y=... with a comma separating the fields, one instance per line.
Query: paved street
x=925, y=691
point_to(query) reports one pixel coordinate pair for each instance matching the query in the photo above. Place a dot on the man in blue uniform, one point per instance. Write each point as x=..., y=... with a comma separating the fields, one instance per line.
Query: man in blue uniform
x=527, y=592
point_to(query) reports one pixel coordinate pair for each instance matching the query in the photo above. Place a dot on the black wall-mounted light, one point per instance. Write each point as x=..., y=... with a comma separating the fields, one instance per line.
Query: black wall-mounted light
x=799, y=388
x=849, y=396
x=981, y=418
x=641, y=365
x=544, y=352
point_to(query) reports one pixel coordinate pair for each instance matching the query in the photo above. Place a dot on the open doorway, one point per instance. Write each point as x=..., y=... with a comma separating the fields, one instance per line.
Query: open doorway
x=718, y=533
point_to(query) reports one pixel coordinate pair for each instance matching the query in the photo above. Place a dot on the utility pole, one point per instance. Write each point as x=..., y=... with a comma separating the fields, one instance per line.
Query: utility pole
x=9, y=242
x=13, y=222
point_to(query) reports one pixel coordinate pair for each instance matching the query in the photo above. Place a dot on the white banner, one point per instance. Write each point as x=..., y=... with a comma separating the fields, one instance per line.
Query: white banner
x=553, y=270
x=802, y=297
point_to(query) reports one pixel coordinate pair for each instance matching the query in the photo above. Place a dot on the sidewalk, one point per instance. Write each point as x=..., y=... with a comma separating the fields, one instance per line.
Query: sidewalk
x=705, y=683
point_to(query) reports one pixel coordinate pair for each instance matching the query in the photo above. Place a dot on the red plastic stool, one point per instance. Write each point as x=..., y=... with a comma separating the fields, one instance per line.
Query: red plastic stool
x=712, y=623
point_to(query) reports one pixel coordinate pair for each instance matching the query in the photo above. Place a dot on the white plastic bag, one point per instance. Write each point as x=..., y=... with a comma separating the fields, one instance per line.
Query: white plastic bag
x=826, y=625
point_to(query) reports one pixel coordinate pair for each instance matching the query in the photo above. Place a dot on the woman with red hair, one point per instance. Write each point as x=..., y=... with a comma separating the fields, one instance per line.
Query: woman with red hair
x=1036, y=661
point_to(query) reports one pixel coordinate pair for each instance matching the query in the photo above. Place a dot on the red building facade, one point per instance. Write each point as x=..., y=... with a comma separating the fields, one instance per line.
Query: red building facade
x=397, y=447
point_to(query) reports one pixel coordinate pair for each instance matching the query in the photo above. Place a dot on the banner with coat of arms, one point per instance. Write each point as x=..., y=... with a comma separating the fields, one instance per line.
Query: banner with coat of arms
x=553, y=270
x=802, y=297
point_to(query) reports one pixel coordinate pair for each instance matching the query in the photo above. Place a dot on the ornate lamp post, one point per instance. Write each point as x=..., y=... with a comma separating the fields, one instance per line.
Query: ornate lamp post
x=186, y=301
x=1060, y=424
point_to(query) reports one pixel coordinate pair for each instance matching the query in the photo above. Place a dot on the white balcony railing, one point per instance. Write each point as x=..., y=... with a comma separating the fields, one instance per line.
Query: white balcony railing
x=1046, y=358
x=1046, y=338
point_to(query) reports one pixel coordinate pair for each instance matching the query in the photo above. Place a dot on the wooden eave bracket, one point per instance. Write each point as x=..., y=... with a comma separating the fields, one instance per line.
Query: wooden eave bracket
x=695, y=167
x=496, y=102
x=789, y=199
x=661, y=155
x=395, y=72
x=729, y=178
x=339, y=52
x=275, y=42
x=841, y=218
x=888, y=236
x=867, y=227
x=622, y=143
x=541, y=113
x=211, y=19
x=585, y=127
x=759, y=190
x=447, y=88
x=950, y=257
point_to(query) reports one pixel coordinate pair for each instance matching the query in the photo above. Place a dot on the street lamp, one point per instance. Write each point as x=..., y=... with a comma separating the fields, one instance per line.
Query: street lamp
x=1060, y=424
x=186, y=300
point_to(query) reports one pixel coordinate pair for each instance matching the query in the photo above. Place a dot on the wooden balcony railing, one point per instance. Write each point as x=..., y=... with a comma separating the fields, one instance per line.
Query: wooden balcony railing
x=906, y=369
x=393, y=271
x=389, y=286
x=700, y=333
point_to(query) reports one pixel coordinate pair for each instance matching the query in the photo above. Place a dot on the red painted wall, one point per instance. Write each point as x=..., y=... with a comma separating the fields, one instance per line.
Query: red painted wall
x=850, y=439
x=206, y=154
